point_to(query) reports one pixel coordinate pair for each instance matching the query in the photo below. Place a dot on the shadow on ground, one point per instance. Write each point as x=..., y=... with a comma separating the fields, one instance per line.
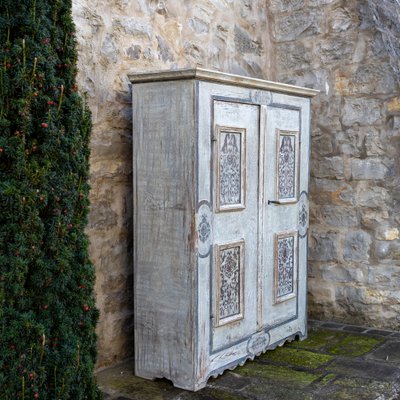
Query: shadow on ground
x=335, y=362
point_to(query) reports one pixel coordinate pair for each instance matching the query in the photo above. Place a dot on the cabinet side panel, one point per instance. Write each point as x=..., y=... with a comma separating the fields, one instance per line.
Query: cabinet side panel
x=164, y=229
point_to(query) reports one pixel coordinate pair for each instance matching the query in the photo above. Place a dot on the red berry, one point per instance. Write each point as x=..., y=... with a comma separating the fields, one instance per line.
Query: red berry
x=36, y=94
x=46, y=306
x=1, y=150
x=31, y=375
x=8, y=65
x=69, y=226
x=44, y=125
x=36, y=395
x=86, y=307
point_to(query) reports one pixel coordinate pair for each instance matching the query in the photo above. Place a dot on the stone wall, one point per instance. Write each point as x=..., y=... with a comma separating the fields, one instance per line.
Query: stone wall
x=331, y=45
x=117, y=37
x=334, y=46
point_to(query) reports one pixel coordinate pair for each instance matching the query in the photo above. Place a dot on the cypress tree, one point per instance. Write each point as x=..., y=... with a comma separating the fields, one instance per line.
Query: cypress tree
x=47, y=310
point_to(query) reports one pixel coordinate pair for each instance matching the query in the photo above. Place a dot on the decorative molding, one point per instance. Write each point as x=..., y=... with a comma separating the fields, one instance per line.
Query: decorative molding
x=229, y=291
x=220, y=77
x=303, y=214
x=230, y=167
x=285, y=269
x=204, y=228
x=287, y=166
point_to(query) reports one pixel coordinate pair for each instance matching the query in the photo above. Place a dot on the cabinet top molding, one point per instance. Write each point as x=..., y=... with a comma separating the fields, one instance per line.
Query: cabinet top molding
x=221, y=77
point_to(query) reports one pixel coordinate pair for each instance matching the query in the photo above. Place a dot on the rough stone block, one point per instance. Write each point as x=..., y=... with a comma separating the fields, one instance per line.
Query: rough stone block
x=286, y=5
x=337, y=216
x=316, y=79
x=328, y=167
x=324, y=246
x=244, y=44
x=357, y=246
x=387, y=233
x=374, y=197
x=109, y=50
x=341, y=20
x=134, y=52
x=335, y=49
x=322, y=145
x=328, y=191
x=368, y=168
x=339, y=273
x=335, y=273
x=164, y=50
x=374, y=78
x=199, y=25
x=396, y=122
x=133, y=27
x=293, y=56
x=321, y=292
x=393, y=105
x=384, y=276
x=361, y=111
x=317, y=3
x=382, y=250
x=297, y=25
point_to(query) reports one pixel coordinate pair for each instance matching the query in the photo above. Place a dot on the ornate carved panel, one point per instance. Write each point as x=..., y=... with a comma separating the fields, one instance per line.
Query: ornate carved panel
x=287, y=166
x=303, y=210
x=285, y=266
x=204, y=228
x=229, y=296
x=231, y=168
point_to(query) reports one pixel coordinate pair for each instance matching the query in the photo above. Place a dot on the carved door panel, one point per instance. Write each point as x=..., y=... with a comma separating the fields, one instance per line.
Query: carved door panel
x=284, y=197
x=236, y=216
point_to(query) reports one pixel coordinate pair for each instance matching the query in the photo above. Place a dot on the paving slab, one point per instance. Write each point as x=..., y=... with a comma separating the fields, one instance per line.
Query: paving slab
x=337, y=361
x=390, y=352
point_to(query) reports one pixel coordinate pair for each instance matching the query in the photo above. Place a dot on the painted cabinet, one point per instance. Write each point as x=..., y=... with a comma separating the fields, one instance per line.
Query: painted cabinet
x=220, y=178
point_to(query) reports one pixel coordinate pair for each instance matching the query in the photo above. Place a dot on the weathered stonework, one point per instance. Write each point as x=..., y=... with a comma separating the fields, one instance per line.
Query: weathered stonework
x=330, y=45
x=117, y=37
x=354, y=245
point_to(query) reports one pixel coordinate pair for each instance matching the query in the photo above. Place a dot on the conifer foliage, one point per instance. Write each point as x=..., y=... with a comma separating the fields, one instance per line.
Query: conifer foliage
x=47, y=312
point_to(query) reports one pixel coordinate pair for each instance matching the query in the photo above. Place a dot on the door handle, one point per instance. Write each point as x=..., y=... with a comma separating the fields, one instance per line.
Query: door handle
x=275, y=202
x=282, y=202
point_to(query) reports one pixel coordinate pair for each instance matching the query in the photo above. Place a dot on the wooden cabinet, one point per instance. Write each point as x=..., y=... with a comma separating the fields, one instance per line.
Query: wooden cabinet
x=220, y=177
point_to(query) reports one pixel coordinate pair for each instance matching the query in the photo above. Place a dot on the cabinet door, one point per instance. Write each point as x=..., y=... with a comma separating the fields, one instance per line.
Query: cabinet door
x=236, y=216
x=284, y=247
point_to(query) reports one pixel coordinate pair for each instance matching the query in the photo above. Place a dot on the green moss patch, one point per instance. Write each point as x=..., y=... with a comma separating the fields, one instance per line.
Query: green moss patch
x=354, y=345
x=327, y=379
x=218, y=395
x=318, y=339
x=278, y=374
x=296, y=357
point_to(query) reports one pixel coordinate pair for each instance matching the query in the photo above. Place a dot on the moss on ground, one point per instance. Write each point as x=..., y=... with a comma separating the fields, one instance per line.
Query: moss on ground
x=317, y=340
x=354, y=345
x=277, y=374
x=327, y=379
x=218, y=395
x=296, y=357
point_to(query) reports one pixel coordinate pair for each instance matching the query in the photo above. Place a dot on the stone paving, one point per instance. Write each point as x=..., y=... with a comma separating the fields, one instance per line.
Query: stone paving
x=336, y=362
